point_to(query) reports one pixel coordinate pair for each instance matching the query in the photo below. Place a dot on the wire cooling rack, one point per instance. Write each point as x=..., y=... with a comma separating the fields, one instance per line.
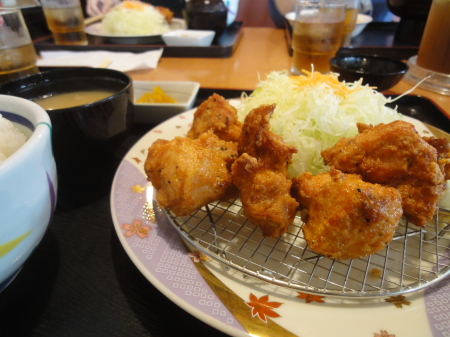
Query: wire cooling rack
x=416, y=257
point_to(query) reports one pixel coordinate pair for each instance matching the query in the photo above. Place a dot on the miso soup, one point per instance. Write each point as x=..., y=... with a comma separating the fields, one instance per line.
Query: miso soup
x=71, y=99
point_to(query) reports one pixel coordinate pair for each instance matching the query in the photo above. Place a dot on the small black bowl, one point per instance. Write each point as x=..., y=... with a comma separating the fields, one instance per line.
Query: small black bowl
x=85, y=137
x=382, y=73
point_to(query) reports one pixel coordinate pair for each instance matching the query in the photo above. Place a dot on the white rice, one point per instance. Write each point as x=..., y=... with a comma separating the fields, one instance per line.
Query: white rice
x=11, y=139
x=134, y=20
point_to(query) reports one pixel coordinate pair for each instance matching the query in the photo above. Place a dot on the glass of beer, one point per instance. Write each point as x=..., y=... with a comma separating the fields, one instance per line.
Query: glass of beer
x=434, y=50
x=351, y=13
x=17, y=54
x=66, y=21
x=317, y=34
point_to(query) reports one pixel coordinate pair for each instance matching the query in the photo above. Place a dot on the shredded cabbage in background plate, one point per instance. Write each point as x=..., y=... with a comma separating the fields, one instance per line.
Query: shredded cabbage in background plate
x=312, y=112
x=134, y=18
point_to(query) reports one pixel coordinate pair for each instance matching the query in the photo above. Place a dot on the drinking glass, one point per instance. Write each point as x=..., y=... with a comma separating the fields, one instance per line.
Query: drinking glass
x=431, y=66
x=17, y=53
x=66, y=21
x=317, y=34
x=434, y=50
x=351, y=13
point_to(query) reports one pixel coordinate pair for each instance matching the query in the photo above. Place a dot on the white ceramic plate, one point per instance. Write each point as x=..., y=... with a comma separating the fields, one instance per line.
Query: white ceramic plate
x=94, y=30
x=189, y=38
x=156, y=249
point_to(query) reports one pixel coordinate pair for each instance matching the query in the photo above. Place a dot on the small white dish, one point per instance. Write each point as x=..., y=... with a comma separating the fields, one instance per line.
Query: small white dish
x=184, y=93
x=362, y=21
x=189, y=37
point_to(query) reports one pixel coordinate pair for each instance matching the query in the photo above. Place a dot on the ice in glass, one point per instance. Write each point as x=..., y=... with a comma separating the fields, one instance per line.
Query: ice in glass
x=17, y=53
x=434, y=50
x=317, y=34
x=66, y=21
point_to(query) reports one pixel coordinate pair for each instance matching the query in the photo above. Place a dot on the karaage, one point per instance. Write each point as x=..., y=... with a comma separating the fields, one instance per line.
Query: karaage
x=394, y=155
x=349, y=218
x=259, y=142
x=442, y=147
x=188, y=174
x=305, y=186
x=265, y=196
x=219, y=115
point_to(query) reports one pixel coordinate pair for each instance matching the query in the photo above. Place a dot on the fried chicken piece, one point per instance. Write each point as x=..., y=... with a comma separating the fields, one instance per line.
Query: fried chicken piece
x=166, y=12
x=259, y=142
x=261, y=175
x=419, y=202
x=350, y=218
x=305, y=186
x=217, y=114
x=442, y=147
x=394, y=155
x=386, y=153
x=188, y=174
x=265, y=196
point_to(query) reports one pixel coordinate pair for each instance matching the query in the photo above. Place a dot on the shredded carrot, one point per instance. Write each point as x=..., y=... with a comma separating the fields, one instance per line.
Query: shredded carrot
x=316, y=78
x=135, y=5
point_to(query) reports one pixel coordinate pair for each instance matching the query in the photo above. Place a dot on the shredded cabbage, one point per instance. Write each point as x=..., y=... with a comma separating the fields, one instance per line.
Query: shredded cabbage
x=134, y=18
x=313, y=111
x=445, y=199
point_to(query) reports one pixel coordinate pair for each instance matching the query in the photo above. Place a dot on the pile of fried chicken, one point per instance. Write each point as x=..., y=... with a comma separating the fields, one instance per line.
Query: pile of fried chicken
x=383, y=173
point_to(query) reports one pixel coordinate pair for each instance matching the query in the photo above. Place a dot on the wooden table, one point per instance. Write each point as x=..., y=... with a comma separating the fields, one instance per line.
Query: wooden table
x=260, y=51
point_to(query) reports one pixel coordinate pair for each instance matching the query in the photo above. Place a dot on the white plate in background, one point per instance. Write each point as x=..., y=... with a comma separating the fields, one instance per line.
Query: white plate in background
x=94, y=30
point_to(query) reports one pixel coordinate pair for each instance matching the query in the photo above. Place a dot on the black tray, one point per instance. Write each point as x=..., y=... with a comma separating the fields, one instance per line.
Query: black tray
x=377, y=39
x=225, y=46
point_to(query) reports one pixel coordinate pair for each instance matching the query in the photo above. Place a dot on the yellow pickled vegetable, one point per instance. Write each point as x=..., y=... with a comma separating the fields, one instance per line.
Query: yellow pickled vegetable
x=157, y=96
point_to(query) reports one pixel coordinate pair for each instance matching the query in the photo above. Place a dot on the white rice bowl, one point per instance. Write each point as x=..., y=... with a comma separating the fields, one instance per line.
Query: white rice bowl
x=11, y=138
x=28, y=182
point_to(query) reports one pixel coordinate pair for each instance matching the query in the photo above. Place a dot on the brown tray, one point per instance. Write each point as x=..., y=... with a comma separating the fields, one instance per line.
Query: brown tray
x=224, y=47
x=377, y=39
